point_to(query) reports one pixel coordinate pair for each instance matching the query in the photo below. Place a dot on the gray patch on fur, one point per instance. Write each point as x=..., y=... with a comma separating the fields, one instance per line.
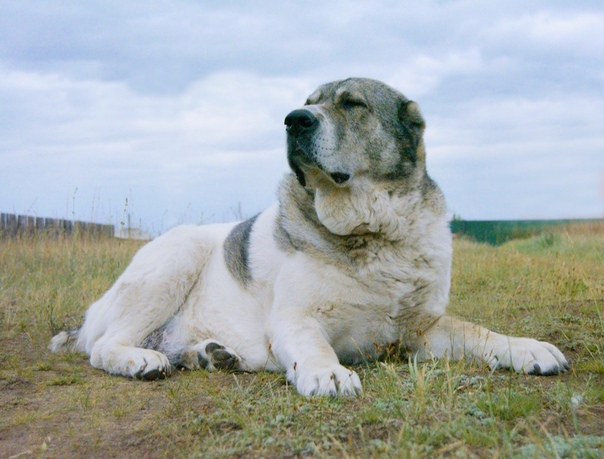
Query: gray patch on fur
x=236, y=251
x=73, y=333
x=155, y=340
x=162, y=340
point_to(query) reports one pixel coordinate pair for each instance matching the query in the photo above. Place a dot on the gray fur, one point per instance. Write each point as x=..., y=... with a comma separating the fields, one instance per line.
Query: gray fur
x=162, y=340
x=378, y=133
x=156, y=339
x=368, y=116
x=236, y=251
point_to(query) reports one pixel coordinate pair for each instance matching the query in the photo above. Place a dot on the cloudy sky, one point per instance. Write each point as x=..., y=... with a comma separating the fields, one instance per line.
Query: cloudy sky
x=172, y=111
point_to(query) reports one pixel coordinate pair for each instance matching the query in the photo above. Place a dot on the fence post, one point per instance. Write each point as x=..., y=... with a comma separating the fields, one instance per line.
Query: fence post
x=12, y=225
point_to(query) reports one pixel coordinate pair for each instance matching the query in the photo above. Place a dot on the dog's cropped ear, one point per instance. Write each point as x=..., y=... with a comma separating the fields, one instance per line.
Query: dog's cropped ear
x=410, y=115
x=412, y=126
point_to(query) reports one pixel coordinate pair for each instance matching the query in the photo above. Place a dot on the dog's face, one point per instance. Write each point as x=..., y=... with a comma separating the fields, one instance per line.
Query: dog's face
x=353, y=145
x=354, y=128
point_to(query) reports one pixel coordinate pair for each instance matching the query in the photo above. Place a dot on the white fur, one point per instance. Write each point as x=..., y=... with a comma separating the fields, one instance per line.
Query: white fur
x=310, y=307
x=299, y=315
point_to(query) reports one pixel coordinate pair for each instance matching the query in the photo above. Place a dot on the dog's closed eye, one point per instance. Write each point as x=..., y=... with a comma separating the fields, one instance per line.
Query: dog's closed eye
x=340, y=177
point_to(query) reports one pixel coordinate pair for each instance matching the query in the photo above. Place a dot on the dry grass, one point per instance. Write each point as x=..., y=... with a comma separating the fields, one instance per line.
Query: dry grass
x=550, y=287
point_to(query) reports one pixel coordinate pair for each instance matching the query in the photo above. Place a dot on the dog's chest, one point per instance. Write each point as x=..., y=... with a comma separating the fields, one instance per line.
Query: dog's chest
x=389, y=267
x=386, y=284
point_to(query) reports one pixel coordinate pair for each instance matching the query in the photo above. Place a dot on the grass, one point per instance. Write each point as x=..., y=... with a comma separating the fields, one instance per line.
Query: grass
x=550, y=287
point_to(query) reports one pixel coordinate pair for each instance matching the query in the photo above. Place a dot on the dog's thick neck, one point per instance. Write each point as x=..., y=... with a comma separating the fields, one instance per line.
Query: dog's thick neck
x=364, y=204
x=358, y=209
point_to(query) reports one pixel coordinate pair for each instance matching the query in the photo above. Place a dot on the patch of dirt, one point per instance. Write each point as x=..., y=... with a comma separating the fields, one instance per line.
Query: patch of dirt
x=59, y=406
x=46, y=421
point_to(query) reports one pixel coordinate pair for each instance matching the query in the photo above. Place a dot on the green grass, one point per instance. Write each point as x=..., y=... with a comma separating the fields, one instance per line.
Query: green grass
x=550, y=287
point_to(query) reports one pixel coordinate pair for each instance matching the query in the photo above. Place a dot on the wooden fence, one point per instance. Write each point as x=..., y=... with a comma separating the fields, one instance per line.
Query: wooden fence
x=22, y=225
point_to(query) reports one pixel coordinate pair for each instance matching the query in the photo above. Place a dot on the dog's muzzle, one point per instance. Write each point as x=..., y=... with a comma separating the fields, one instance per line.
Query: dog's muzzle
x=300, y=126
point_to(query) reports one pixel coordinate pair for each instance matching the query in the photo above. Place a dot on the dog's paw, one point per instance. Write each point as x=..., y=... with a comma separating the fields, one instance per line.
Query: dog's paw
x=148, y=365
x=333, y=381
x=526, y=355
x=215, y=356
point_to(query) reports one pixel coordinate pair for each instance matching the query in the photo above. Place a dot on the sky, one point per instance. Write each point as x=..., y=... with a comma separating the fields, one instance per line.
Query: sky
x=167, y=112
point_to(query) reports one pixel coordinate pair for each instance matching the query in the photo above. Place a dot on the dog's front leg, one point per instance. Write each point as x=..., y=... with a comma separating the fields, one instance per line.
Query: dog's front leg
x=438, y=336
x=299, y=343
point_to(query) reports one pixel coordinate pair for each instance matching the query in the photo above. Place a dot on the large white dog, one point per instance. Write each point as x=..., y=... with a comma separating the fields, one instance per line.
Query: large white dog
x=355, y=256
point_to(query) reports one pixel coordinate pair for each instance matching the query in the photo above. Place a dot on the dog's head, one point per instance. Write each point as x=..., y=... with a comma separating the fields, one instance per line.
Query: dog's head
x=354, y=128
x=354, y=145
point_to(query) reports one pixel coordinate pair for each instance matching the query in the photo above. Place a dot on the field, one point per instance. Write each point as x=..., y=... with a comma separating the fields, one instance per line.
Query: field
x=550, y=287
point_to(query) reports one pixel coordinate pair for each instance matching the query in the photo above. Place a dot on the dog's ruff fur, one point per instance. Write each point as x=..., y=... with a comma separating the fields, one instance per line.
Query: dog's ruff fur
x=355, y=256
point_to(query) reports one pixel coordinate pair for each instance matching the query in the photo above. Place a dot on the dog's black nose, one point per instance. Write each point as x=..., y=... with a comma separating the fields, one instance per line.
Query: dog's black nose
x=300, y=120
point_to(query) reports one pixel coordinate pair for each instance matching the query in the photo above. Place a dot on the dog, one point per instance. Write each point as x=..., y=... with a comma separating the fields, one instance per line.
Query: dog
x=355, y=256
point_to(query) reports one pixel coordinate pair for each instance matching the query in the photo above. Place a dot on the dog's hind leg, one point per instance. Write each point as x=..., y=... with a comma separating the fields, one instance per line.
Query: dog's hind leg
x=131, y=361
x=147, y=295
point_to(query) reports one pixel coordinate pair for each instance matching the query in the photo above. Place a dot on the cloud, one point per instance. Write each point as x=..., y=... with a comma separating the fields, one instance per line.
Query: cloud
x=529, y=158
x=179, y=106
x=552, y=32
x=98, y=135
